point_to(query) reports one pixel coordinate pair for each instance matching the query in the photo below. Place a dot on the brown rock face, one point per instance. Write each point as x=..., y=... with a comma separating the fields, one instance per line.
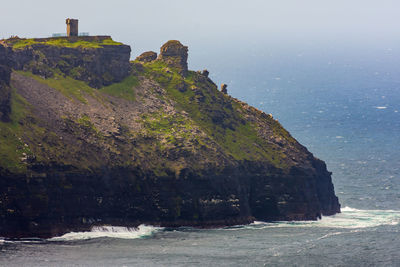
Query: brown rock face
x=147, y=56
x=175, y=55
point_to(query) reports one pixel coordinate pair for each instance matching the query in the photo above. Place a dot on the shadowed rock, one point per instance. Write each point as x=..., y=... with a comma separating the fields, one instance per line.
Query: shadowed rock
x=5, y=91
x=224, y=88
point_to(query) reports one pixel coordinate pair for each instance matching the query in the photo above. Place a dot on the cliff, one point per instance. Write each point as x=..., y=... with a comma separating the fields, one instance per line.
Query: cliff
x=5, y=90
x=156, y=144
x=97, y=60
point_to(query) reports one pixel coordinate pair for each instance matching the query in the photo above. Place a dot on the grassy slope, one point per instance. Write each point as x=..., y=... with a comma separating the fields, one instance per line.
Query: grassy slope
x=215, y=113
x=12, y=147
x=23, y=125
x=123, y=89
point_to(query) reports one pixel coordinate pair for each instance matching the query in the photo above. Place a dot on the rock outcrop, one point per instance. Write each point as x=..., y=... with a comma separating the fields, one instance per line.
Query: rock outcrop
x=147, y=56
x=224, y=88
x=98, y=65
x=157, y=148
x=175, y=55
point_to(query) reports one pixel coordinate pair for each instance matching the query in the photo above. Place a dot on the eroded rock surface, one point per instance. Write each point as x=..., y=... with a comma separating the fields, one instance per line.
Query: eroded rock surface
x=174, y=54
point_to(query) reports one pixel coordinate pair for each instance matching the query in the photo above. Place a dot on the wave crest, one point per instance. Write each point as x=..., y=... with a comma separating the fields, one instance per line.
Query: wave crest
x=110, y=231
x=350, y=218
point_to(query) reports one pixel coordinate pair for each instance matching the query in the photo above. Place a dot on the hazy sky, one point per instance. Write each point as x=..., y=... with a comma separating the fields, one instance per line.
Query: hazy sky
x=153, y=20
x=212, y=27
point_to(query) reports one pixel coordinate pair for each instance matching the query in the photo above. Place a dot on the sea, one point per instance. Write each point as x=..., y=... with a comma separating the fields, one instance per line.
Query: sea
x=343, y=104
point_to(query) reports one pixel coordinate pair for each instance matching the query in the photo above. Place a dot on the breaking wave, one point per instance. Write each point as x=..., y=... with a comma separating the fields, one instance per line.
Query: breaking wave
x=110, y=231
x=350, y=218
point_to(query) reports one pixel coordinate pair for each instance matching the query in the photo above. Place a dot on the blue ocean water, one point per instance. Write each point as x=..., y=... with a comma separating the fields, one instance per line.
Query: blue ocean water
x=344, y=106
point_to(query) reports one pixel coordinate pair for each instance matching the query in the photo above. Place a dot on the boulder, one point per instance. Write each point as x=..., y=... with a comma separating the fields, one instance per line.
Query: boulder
x=147, y=56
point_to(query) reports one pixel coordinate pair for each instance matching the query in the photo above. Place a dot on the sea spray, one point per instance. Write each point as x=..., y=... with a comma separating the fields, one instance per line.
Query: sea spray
x=350, y=218
x=141, y=231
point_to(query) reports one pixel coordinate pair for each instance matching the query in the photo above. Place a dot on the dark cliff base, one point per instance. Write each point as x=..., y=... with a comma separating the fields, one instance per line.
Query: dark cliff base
x=88, y=138
x=65, y=201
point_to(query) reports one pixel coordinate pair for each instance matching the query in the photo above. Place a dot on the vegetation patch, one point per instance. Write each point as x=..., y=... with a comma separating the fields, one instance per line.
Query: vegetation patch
x=124, y=89
x=84, y=121
x=69, y=87
x=13, y=151
x=18, y=43
x=170, y=130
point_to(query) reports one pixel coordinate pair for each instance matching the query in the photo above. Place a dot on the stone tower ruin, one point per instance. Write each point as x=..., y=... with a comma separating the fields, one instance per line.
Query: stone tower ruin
x=72, y=27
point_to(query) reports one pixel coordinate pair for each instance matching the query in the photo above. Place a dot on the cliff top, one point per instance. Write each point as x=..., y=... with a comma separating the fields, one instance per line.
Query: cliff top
x=72, y=42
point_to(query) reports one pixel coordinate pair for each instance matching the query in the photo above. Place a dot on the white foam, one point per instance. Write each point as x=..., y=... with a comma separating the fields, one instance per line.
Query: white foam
x=329, y=235
x=345, y=209
x=350, y=218
x=381, y=107
x=110, y=231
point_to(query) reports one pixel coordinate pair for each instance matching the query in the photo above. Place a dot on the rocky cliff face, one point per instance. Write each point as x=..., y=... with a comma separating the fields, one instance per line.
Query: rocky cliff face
x=163, y=146
x=5, y=91
x=99, y=65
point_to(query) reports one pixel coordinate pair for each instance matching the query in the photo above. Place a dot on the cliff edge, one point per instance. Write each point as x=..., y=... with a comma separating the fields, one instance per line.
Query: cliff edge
x=89, y=138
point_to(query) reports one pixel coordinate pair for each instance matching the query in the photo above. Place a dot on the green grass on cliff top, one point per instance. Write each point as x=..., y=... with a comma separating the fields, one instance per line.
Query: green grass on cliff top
x=62, y=42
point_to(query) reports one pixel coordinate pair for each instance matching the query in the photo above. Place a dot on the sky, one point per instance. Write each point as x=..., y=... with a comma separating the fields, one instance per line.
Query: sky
x=151, y=22
x=217, y=32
